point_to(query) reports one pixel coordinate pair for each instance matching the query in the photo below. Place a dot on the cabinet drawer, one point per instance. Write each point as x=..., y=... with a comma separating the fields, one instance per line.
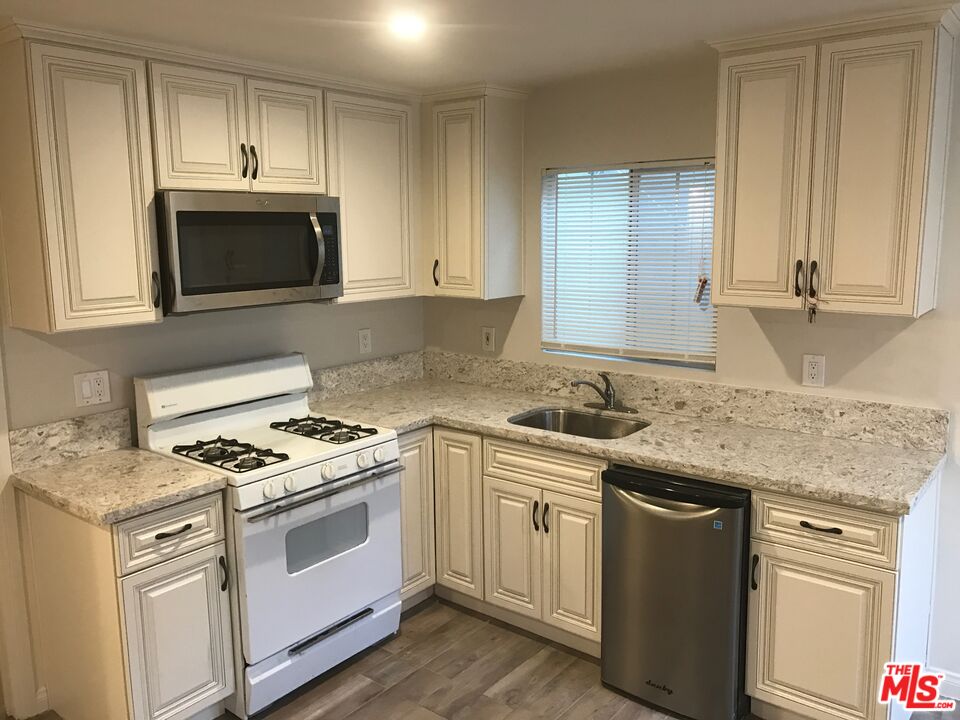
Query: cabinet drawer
x=168, y=533
x=569, y=473
x=827, y=529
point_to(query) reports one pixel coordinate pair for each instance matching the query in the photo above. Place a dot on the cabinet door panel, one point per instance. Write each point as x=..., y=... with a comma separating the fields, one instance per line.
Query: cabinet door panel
x=869, y=170
x=571, y=562
x=458, y=134
x=459, y=512
x=764, y=146
x=200, y=122
x=177, y=627
x=97, y=178
x=512, y=546
x=416, y=512
x=369, y=146
x=819, y=631
x=286, y=129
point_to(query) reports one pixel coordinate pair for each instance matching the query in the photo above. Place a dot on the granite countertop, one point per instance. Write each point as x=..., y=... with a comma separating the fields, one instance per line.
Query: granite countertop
x=108, y=487
x=864, y=475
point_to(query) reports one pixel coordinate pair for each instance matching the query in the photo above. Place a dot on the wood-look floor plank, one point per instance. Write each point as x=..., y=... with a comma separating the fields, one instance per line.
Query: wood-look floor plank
x=558, y=695
x=333, y=699
x=597, y=703
x=530, y=676
x=396, y=700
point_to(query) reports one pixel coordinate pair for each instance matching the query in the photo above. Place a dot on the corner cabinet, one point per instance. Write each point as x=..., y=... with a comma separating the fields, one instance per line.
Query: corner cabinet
x=831, y=160
x=476, y=164
x=417, y=529
x=77, y=189
x=370, y=144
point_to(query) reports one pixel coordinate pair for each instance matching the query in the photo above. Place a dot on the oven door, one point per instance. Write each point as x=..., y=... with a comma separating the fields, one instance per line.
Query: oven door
x=314, y=560
x=226, y=249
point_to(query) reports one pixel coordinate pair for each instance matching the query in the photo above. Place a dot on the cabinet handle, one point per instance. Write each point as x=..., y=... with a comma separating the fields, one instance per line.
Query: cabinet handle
x=798, y=279
x=256, y=162
x=246, y=160
x=810, y=526
x=156, y=288
x=812, y=291
x=168, y=535
x=226, y=576
x=536, y=506
x=753, y=572
x=546, y=509
x=436, y=280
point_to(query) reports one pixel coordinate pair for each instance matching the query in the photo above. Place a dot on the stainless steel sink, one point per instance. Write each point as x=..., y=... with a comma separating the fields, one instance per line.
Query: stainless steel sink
x=577, y=422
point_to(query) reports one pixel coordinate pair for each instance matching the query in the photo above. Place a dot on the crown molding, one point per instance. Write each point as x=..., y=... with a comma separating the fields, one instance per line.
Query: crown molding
x=471, y=91
x=945, y=15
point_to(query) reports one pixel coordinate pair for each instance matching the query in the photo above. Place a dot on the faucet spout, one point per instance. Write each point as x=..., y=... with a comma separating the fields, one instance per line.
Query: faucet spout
x=607, y=393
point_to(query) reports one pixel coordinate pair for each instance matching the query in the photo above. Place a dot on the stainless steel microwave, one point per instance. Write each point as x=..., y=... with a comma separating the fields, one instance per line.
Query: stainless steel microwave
x=235, y=249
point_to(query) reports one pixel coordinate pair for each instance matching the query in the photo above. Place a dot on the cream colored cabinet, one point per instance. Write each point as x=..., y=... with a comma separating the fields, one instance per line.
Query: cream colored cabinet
x=79, y=228
x=869, y=175
x=417, y=534
x=459, y=510
x=178, y=635
x=370, y=146
x=221, y=131
x=477, y=168
x=512, y=545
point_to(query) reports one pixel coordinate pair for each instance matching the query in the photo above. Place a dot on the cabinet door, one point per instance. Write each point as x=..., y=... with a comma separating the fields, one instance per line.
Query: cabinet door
x=459, y=508
x=458, y=139
x=571, y=564
x=177, y=629
x=873, y=118
x=819, y=631
x=369, y=145
x=512, y=546
x=764, y=148
x=96, y=174
x=286, y=137
x=200, y=124
x=417, y=535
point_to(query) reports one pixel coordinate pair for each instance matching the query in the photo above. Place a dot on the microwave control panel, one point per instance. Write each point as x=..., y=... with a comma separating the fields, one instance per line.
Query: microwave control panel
x=331, y=266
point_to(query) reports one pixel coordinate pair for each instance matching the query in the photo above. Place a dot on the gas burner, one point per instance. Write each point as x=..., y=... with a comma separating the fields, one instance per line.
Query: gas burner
x=334, y=432
x=230, y=455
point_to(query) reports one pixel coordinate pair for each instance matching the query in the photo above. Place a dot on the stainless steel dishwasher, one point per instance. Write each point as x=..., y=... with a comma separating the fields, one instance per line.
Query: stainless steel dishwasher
x=675, y=553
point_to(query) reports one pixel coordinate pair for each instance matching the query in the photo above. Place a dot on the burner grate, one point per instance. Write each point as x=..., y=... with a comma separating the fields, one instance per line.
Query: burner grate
x=230, y=454
x=334, y=432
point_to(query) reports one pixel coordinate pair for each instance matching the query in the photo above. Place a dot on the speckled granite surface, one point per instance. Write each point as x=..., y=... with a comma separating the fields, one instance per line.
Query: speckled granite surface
x=366, y=375
x=58, y=442
x=876, y=422
x=875, y=477
x=112, y=486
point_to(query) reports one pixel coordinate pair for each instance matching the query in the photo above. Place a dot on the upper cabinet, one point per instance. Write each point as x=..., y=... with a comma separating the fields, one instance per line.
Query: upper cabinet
x=370, y=146
x=830, y=171
x=76, y=189
x=220, y=131
x=476, y=162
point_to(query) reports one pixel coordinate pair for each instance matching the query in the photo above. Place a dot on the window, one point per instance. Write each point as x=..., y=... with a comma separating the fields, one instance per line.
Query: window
x=623, y=251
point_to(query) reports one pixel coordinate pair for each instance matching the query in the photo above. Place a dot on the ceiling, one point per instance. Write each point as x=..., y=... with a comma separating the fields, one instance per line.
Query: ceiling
x=517, y=43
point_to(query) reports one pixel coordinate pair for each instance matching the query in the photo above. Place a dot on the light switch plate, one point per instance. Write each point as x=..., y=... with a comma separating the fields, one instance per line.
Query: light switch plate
x=814, y=370
x=366, y=341
x=488, y=339
x=91, y=388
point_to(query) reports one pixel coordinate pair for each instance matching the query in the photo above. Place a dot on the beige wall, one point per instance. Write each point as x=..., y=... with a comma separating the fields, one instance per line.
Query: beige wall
x=669, y=112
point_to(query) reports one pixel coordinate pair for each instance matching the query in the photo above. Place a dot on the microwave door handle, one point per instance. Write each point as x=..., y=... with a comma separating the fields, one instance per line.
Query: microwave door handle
x=321, y=249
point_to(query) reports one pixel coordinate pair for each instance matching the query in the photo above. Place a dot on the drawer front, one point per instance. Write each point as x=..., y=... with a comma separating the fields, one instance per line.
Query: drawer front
x=827, y=529
x=146, y=540
x=566, y=472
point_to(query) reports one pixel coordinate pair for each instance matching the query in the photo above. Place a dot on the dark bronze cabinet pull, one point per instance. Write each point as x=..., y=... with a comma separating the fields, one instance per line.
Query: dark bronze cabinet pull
x=168, y=535
x=810, y=526
x=798, y=279
x=156, y=288
x=256, y=162
x=246, y=160
x=812, y=291
x=753, y=572
x=436, y=280
x=536, y=507
x=226, y=576
x=546, y=509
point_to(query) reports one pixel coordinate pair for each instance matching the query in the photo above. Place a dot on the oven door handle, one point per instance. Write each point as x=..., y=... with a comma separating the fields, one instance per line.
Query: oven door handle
x=321, y=248
x=313, y=497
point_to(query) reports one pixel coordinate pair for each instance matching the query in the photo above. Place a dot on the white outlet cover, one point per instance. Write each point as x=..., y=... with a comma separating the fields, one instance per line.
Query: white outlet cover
x=91, y=388
x=365, y=337
x=814, y=370
x=488, y=339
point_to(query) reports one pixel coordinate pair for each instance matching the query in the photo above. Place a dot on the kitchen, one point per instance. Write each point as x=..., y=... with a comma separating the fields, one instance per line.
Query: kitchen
x=424, y=337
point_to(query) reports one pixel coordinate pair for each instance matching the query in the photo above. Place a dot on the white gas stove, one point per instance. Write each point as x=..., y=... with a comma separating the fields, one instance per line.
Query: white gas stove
x=313, y=514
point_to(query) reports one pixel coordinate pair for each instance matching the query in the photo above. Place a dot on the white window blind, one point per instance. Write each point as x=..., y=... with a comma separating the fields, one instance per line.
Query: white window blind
x=623, y=251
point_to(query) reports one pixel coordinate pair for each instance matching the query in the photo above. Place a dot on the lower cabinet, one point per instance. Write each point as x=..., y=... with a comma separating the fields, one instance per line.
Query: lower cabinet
x=178, y=637
x=512, y=546
x=417, y=533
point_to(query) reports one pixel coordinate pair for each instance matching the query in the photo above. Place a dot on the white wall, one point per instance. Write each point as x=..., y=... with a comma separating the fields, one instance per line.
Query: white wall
x=669, y=112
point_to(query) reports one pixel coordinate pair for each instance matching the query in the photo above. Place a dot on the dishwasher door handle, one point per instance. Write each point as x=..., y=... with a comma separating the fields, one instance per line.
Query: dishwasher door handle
x=649, y=503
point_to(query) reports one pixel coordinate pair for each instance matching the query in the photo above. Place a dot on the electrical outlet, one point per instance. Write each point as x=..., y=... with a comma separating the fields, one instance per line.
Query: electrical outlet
x=488, y=339
x=814, y=370
x=366, y=341
x=91, y=388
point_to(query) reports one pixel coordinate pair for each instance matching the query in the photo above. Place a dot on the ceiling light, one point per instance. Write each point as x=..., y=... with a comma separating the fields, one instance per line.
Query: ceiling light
x=408, y=27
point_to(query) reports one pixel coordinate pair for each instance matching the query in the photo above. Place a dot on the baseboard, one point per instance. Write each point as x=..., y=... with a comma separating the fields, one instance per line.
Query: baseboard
x=411, y=602
x=951, y=684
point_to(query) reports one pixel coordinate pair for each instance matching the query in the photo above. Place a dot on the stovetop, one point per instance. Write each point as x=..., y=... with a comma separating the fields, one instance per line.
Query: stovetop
x=232, y=455
x=333, y=431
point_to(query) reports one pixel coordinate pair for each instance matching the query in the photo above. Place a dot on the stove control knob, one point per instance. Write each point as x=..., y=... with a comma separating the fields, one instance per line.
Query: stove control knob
x=327, y=472
x=378, y=455
x=362, y=460
x=269, y=491
x=289, y=483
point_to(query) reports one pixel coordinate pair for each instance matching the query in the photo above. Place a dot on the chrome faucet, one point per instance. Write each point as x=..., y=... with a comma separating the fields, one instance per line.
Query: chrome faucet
x=607, y=392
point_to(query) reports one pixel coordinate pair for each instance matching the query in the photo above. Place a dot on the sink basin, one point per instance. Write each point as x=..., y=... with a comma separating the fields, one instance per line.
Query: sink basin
x=577, y=422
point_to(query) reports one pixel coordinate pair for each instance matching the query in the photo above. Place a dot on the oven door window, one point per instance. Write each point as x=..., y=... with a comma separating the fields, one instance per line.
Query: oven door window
x=319, y=540
x=224, y=252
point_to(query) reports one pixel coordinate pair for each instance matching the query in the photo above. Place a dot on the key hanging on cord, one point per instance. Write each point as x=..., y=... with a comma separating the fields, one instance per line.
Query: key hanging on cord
x=812, y=310
x=701, y=287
